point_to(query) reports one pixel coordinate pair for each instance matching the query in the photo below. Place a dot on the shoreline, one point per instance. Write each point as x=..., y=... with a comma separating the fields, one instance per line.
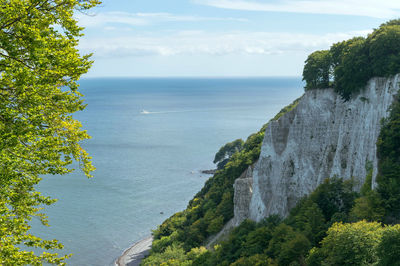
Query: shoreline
x=135, y=253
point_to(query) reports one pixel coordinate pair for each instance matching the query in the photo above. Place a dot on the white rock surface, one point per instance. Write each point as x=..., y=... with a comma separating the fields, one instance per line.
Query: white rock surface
x=242, y=197
x=322, y=137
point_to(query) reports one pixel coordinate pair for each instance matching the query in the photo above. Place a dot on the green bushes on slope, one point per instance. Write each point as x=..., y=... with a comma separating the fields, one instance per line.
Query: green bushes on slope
x=317, y=232
x=328, y=227
x=212, y=207
x=277, y=242
x=313, y=232
x=225, y=153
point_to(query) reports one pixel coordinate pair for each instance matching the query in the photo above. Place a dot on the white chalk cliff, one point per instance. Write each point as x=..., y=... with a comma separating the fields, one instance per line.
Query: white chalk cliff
x=322, y=137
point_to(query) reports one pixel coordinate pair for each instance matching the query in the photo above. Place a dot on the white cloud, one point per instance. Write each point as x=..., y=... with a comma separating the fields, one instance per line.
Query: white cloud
x=370, y=8
x=140, y=19
x=205, y=43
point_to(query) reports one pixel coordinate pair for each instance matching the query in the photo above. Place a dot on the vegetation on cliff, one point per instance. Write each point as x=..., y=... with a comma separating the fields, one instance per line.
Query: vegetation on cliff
x=39, y=68
x=347, y=66
x=334, y=225
x=389, y=165
x=212, y=207
x=225, y=152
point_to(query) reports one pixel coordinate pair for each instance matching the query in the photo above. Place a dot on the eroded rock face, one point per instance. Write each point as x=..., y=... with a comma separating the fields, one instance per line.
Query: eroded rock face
x=242, y=198
x=322, y=137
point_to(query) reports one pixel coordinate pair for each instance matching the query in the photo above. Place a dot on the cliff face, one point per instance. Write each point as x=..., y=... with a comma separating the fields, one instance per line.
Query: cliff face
x=320, y=138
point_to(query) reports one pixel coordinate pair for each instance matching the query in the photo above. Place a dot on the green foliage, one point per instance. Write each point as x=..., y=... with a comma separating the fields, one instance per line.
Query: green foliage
x=39, y=68
x=317, y=70
x=308, y=218
x=367, y=186
x=361, y=243
x=215, y=225
x=255, y=260
x=225, y=152
x=245, y=244
x=232, y=248
x=281, y=235
x=159, y=245
x=334, y=197
x=384, y=50
x=258, y=240
x=368, y=207
x=353, y=71
x=294, y=251
x=348, y=65
x=309, y=236
x=389, y=164
x=212, y=207
x=349, y=244
x=286, y=109
x=173, y=255
x=305, y=231
x=289, y=241
x=388, y=249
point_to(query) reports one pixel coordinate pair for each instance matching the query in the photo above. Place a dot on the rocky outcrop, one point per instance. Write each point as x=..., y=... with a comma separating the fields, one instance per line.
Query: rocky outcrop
x=242, y=198
x=323, y=136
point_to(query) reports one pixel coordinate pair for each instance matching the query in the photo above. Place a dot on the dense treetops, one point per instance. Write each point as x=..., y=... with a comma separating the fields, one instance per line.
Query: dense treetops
x=347, y=66
x=39, y=68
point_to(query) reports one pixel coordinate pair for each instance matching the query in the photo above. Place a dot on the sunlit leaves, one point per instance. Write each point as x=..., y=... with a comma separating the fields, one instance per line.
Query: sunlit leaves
x=39, y=68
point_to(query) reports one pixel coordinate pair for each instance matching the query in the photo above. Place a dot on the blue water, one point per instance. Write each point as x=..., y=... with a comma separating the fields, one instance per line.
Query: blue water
x=150, y=163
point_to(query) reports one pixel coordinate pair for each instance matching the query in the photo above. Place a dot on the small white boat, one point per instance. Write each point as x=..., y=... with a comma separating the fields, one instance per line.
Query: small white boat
x=144, y=112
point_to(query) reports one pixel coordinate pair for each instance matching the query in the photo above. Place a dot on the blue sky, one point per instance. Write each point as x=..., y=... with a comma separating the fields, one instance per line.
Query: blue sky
x=216, y=38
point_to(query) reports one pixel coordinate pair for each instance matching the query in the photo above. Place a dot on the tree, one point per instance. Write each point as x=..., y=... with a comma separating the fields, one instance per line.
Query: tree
x=388, y=178
x=39, y=69
x=384, y=50
x=370, y=205
x=173, y=255
x=348, y=65
x=282, y=234
x=388, y=248
x=334, y=196
x=255, y=260
x=348, y=244
x=317, y=70
x=225, y=152
x=353, y=70
x=294, y=251
x=311, y=222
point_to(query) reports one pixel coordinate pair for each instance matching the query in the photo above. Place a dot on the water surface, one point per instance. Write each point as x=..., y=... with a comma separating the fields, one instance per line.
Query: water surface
x=149, y=162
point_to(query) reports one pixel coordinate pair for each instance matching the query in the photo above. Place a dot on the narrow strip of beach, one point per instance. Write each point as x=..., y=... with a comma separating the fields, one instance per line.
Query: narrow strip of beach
x=136, y=253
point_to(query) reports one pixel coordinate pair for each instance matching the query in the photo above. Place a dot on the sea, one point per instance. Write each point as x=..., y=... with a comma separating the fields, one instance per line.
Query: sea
x=151, y=137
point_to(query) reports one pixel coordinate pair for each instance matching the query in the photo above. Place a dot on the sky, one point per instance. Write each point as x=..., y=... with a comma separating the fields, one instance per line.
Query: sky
x=221, y=38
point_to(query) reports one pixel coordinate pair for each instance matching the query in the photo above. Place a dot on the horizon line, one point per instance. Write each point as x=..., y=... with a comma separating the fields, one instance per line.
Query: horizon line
x=188, y=77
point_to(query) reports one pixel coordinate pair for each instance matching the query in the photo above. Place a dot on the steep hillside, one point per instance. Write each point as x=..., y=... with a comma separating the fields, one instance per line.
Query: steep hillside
x=324, y=136
x=331, y=157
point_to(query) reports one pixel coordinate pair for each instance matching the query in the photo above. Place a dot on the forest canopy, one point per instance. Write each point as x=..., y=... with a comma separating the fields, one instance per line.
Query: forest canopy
x=347, y=66
x=39, y=69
